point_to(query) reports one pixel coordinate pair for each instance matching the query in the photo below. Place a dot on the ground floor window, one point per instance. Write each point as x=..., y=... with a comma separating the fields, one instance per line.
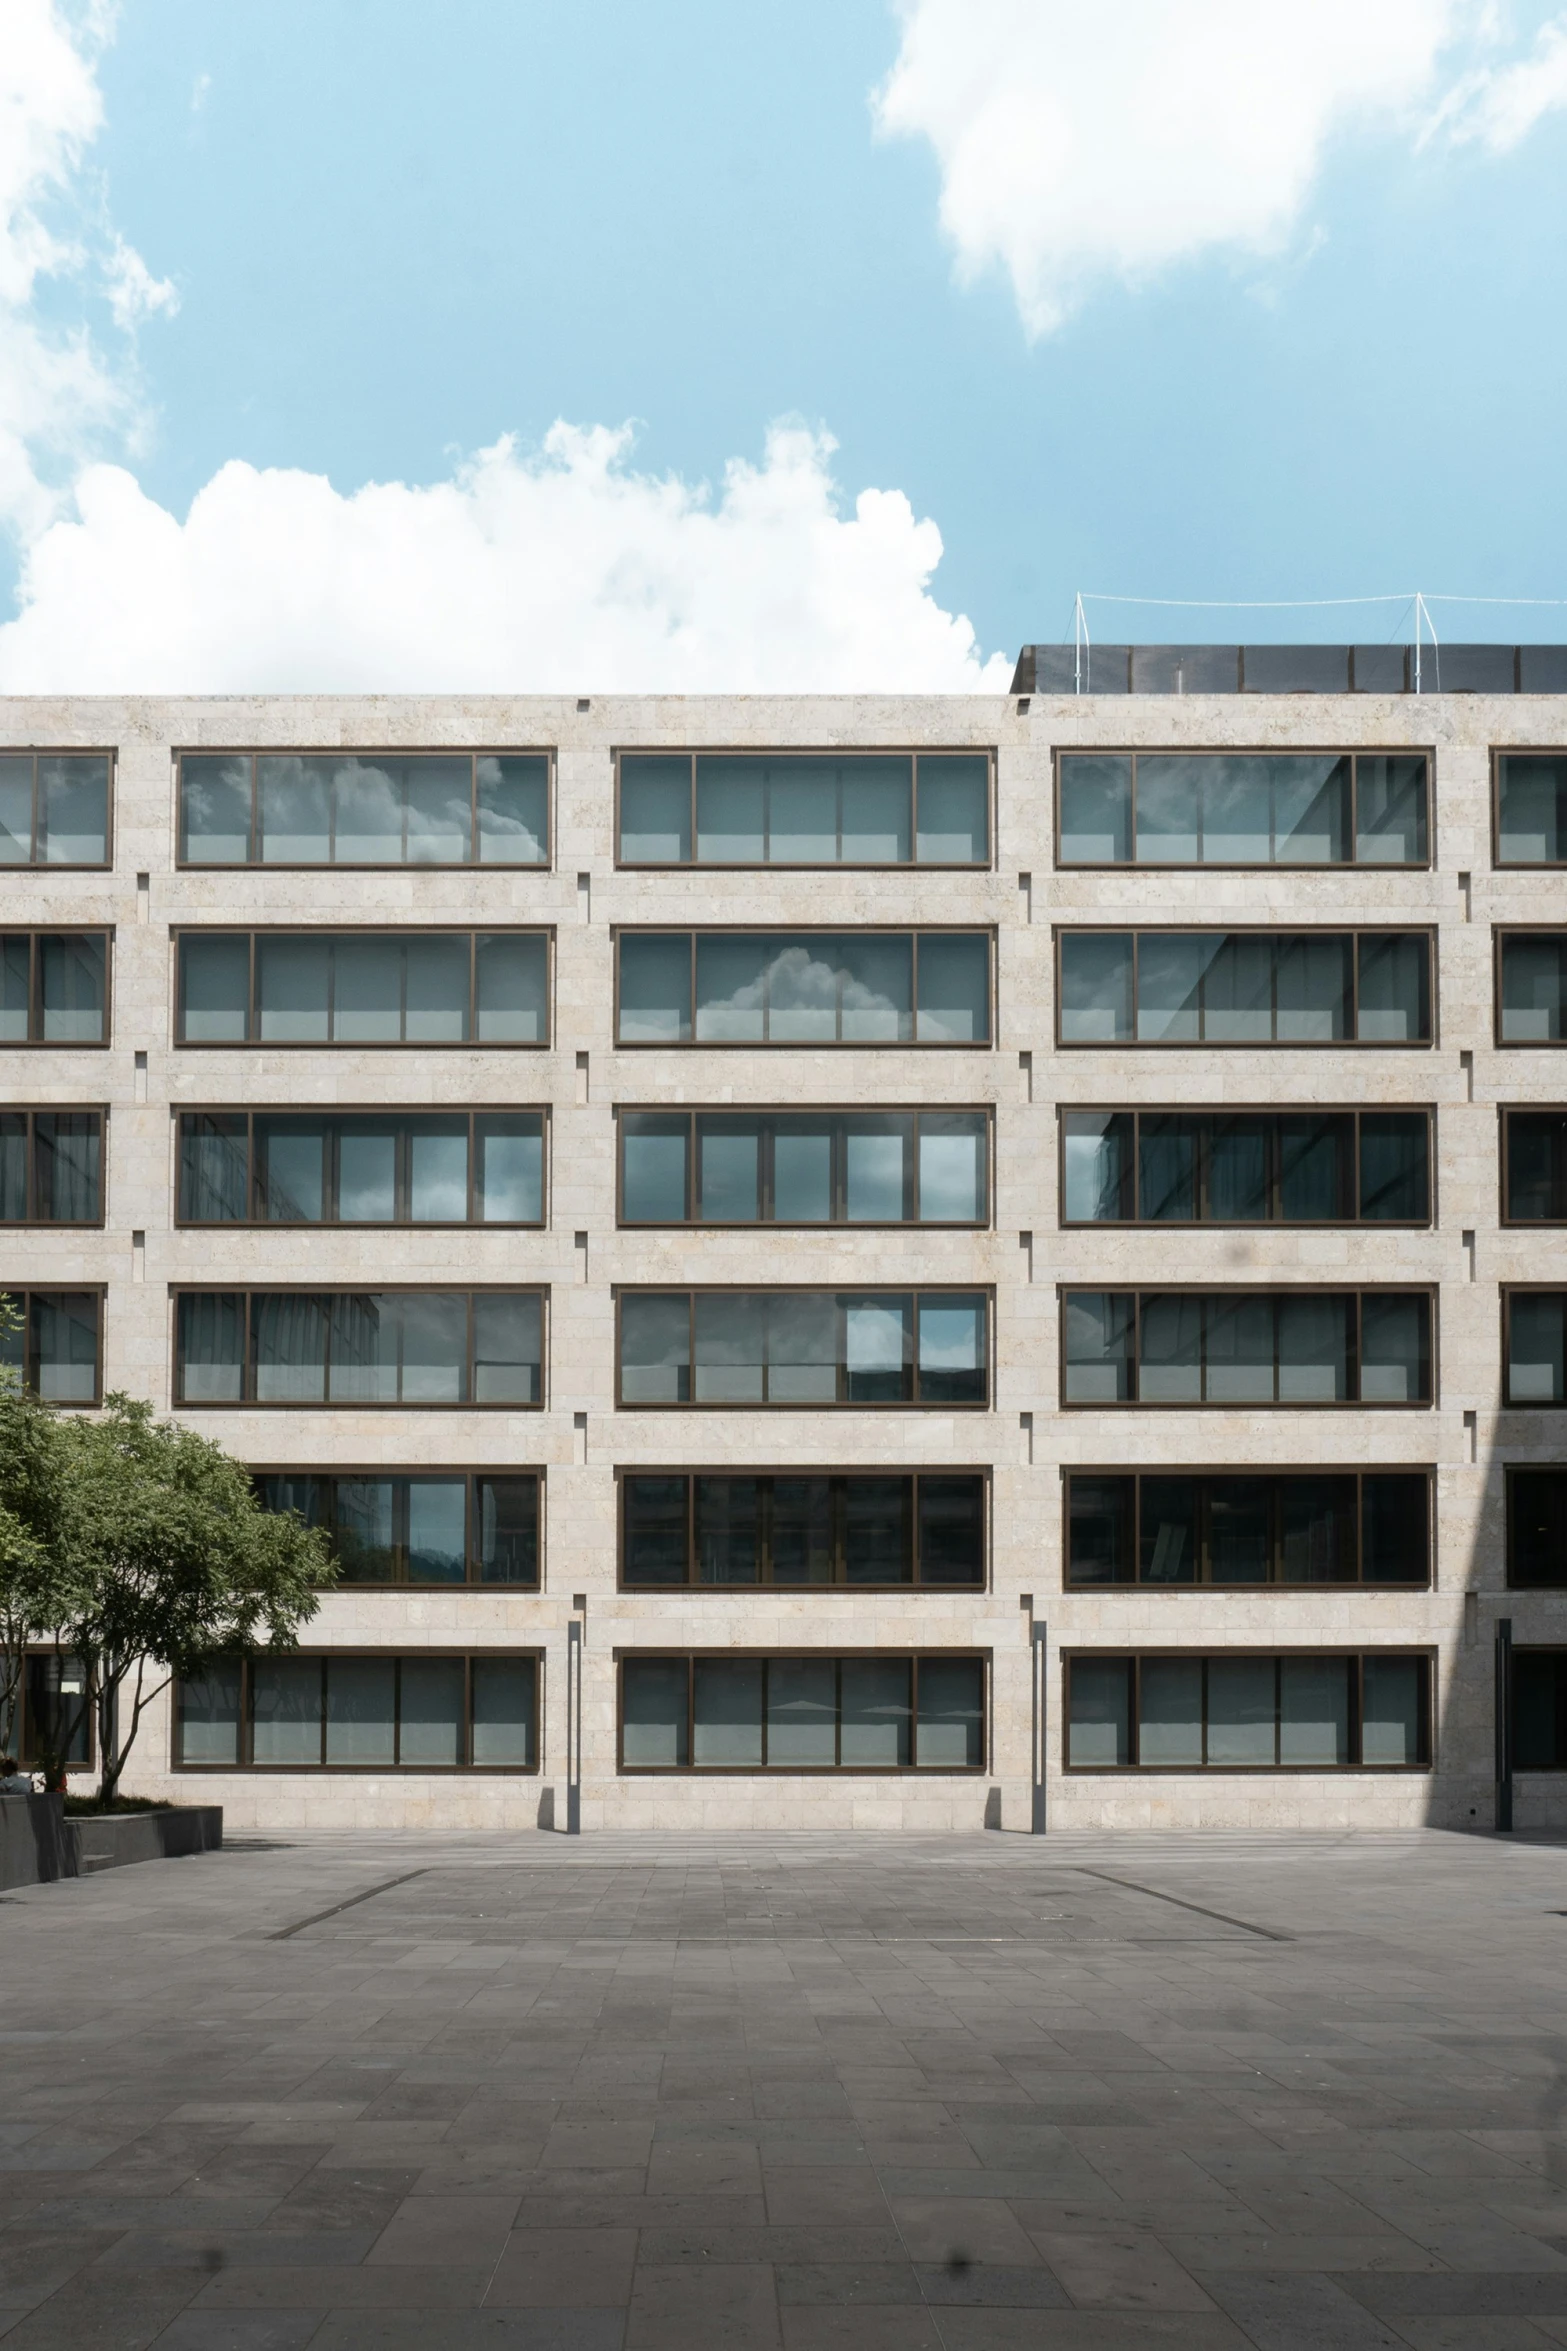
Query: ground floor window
x=1240, y=1711
x=435, y=1712
x=802, y=1713
x=1539, y=1710
x=53, y=1716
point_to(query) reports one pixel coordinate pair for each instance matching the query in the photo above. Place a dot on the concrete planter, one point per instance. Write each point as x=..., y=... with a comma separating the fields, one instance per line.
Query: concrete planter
x=38, y=1844
x=34, y=1847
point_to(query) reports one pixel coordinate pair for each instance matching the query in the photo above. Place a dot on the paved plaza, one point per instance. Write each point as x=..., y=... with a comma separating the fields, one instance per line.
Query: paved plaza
x=829, y=2094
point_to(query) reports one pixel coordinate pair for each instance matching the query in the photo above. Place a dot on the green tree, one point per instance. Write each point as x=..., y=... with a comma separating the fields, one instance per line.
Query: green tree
x=36, y=1577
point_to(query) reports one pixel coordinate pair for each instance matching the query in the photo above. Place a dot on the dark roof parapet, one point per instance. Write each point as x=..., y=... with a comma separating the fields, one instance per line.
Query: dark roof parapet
x=1291, y=669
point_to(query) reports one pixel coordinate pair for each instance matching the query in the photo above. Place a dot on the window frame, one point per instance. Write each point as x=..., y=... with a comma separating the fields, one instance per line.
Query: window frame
x=22, y=1734
x=1511, y=1472
x=371, y=752
x=1136, y=931
x=839, y=1584
x=328, y=1290
x=38, y=752
x=251, y=1043
x=22, y=1294
x=1137, y=1586
x=335, y=1473
x=1516, y=1651
x=1138, y=1111
x=32, y=1112
x=1354, y=753
x=467, y=1655
x=1134, y=1658
x=333, y=1115
x=1501, y=932
x=1499, y=863
x=775, y=1110
x=1508, y=1292
x=692, y=864
x=822, y=1771
x=35, y=1040
x=1506, y=1112
x=912, y=1290
x=913, y=932
x=1359, y=1291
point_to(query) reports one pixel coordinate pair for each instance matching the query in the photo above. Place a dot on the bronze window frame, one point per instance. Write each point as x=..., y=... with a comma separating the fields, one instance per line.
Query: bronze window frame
x=913, y=932
x=32, y=1112
x=1508, y=1292
x=1499, y=752
x=1516, y=1652
x=1133, y=1659
x=38, y=753
x=1139, y=1587
x=1136, y=931
x=914, y=1291
x=329, y=1290
x=472, y=932
x=1511, y=1472
x=466, y=1655
x=819, y=1771
x=372, y=753
x=1501, y=932
x=21, y=1295
x=763, y=1112
x=692, y=864
x=335, y=1473
x=334, y=1115
x=1354, y=753
x=839, y=1584
x=35, y=934
x=1506, y=1112
x=22, y=1729
x=1359, y=1291
x=1138, y=1111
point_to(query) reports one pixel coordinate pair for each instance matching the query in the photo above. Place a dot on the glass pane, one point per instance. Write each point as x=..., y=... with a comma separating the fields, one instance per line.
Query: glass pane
x=802, y=1347
x=878, y=1350
x=507, y=1531
x=654, y=1693
x=308, y=1497
x=952, y=1349
x=436, y=981
x=1535, y=1143
x=508, y=1346
x=366, y=1172
x=365, y=1346
x=512, y=988
x=293, y=810
x=878, y=1531
x=1167, y=1549
x=505, y=1700
x=1395, y=1348
x=73, y=810
x=1391, y=1689
x=802, y=1712
x=1539, y=1710
x=15, y=988
x=1096, y=1152
x=361, y=1722
x=1311, y=809
x=726, y=1712
x=1099, y=1530
x=730, y=811
x=654, y=1531
x=802, y=1170
x=879, y=1169
x=1098, y=1327
x=1241, y=1703
x=16, y=809
x=68, y=1151
x=954, y=988
x=364, y=1529
x=211, y=1345
x=1238, y=1170
x=1534, y=989
x=874, y=1713
x=877, y=811
x=728, y=1530
x=288, y=1343
x=215, y=810
x=1536, y=1527
x=1312, y=980
x=954, y=810
x=1169, y=1711
x=1167, y=1167
x=952, y=1167
x=13, y=1341
x=1169, y=810
x=1240, y=1531
x=514, y=796
x=1534, y=1347
x=1394, y=997
x=655, y=810
x=802, y=811
x=208, y=1715
x=1169, y=1368
x=1099, y=1712
x=1394, y=1183
x=437, y=1530
x=1390, y=811
x=1170, y=968
x=951, y=1714
x=1316, y=1530
x=802, y=1535
x=1314, y=1711
x=65, y=1346
x=730, y=987
x=438, y=1170
x=729, y=1169
x=1237, y=991
x=1395, y=1511
x=730, y=1347
x=1314, y=1168
x=13, y=1166
x=286, y=1710
x=803, y=978
x=72, y=973
x=291, y=1158
x=292, y=988
x=655, y=1348
x=214, y=989
x=1240, y=1335
x=653, y=1151
x=509, y=1174
x=952, y=1530
x=1531, y=810
x=1314, y=1345
x=430, y=1708
x=367, y=990
x=1096, y=988
x=1096, y=810
x=440, y=814
x=368, y=811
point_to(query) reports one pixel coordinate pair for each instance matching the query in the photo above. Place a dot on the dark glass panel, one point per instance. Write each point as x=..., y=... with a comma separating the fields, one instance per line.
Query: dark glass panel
x=655, y=809
x=1317, y=1530
x=1390, y=810
x=1096, y=808
x=508, y=1175
x=654, y=1148
x=1099, y=1327
x=655, y=989
x=1168, y=1533
x=1315, y=1167
x=1394, y=988
x=878, y=1533
x=210, y=1342
x=1537, y=1529
x=954, y=809
x=728, y=1530
x=1099, y=1712
x=63, y=1343
x=1395, y=1528
x=951, y=1529
x=73, y=809
x=655, y=1348
x=513, y=802
x=1312, y=987
x=73, y=973
x=1238, y=1170
x=1539, y=1710
x=1534, y=988
x=506, y=1535
x=952, y=1352
x=1101, y=1518
x=1531, y=812
x=1167, y=1150
x=802, y=1531
x=729, y=1168
x=215, y=809
x=1097, y=1169
x=1096, y=988
x=655, y=1530
x=68, y=1152
x=291, y=1163
x=950, y=1727
x=13, y=1166
x=802, y=1170
x=1240, y=1531
x=655, y=1694
x=437, y=1530
x=364, y=1512
x=1536, y=1174
x=1394, y=1176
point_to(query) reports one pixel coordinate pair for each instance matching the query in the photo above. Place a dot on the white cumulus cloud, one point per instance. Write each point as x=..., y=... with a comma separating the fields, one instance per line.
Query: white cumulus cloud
x=1497, y=106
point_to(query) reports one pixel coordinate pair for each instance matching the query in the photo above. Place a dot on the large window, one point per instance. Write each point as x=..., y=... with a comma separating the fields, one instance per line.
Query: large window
x=55, y=1712
x=804, y=808
x=802, y=1713
x=1241, y=808
x=57, y=1348
x=1244, y=987
x=1537, y=1529
x=1531, y=808
x=737, y=1167
x=1539, y=1709
x=54, y=807
x=54, y=987
x=426, y=987
x=1237, y=1530
x=1534, y=1347
x=1245, y=1167
x=1534, y=1166
x=1531, y=987
x=453, y=1527
x=1242, y=1712
x=435, y=1712
x=361, y=1167
x=803, y=988
x=364, y=808
x=51, y=1166
x=804, y=1347
x=362, y=1347
x=1246, y=1347
x=857, y=1529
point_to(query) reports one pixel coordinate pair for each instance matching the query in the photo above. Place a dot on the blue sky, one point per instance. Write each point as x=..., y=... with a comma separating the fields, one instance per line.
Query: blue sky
x=396, y=234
